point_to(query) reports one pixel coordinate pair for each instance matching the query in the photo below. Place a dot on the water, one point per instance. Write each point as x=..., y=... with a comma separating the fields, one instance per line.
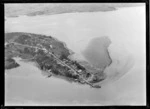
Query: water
x=97, y=52
x=125, y=28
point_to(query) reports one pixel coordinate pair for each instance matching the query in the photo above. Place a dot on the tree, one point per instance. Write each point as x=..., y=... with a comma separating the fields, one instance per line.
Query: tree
x=63, y=56
x=79, y=66
x=55, y=71
x=88, y=75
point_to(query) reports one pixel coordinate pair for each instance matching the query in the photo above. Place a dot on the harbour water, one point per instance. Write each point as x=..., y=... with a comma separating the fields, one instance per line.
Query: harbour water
x=124, y=32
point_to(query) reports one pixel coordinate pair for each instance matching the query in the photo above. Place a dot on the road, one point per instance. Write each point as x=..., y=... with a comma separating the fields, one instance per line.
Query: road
x=74, y=70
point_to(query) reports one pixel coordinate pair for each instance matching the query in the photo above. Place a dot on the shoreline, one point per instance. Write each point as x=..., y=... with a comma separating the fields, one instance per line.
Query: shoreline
x=78, y=10
x=69, y=50
x=103, y=9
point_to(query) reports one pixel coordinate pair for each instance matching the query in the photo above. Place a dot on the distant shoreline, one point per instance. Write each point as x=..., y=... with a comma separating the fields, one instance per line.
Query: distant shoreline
x=16, y=10
x=55, y=13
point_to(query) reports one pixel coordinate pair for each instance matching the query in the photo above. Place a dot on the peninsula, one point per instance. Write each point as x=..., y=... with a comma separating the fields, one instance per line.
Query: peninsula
x=51, y=56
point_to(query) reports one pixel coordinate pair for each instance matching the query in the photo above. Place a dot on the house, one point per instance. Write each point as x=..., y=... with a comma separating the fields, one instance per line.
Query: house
x=79, y=71
x=51, y=46
x=49, y=70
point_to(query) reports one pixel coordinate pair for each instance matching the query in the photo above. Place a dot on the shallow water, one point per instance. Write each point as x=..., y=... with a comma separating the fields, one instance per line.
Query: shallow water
x=126, y=30
x=97, y=52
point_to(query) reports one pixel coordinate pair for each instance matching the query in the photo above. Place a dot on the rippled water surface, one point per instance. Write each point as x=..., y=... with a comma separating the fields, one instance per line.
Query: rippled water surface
x=122, y=32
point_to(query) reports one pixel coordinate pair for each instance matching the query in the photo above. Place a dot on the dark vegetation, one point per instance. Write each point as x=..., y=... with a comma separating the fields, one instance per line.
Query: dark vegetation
x=23, y=39
x=63, y=56
x=72, y=76
x=27, y=47
x=10, y=63
x=30, y=51
x=78, y=65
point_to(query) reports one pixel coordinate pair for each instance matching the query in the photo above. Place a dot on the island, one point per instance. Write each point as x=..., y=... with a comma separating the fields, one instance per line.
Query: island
x=51, y=56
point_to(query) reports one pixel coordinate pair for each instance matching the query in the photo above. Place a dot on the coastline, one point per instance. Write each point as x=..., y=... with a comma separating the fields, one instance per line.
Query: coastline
x=48, y=14
x=54, y=9
x=69, y=50
x=45, y=11
x=65, y=45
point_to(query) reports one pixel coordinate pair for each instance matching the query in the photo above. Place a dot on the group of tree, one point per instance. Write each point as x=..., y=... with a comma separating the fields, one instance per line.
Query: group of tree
x=11, y=63
x=23, y=39
x=78, y=65
x=63, y=56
